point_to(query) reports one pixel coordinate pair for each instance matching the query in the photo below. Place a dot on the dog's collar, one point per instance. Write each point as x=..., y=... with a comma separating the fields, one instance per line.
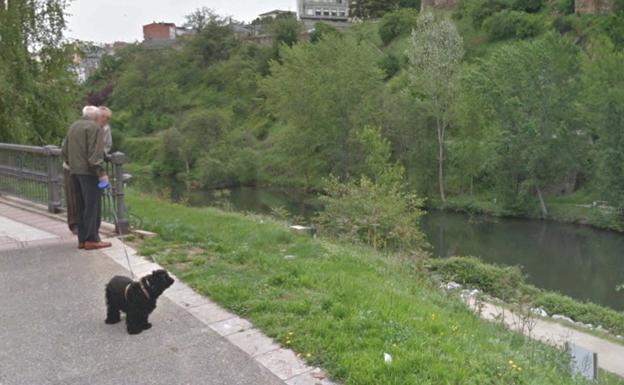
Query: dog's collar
x=143, y=289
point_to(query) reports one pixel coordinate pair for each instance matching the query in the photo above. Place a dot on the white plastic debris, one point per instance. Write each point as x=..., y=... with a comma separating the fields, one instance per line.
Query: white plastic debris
x=452, y=286
x=469, y=293
x=560, y=317
x=539, y=311
x=387, y=358
x=289, y=257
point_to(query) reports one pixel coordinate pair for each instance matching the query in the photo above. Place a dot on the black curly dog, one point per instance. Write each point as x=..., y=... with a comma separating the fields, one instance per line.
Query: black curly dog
x=136, y=299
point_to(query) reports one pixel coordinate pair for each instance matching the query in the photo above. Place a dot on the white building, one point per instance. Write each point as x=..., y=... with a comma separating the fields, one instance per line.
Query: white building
x=333, y=12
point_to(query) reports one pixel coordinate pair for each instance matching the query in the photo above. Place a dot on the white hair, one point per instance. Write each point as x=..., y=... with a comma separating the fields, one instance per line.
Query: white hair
x=90, y=112
x=106, y=110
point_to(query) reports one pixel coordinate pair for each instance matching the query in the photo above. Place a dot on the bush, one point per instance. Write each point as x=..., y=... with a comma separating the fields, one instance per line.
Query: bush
x=530, y=6
x=322, y=30
x=397, y=23
x=565, y=7
x=586, y=312
x=479, y=10
x=384, y=217
x=512, y=24
x=565, y=24
x=223, y=167
x=613, y=25
x=500, y=281
x=375, y=209
x=391, y=65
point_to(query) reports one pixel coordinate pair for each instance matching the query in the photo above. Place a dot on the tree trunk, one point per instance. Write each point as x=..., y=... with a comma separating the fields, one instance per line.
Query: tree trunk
x=441, y=159
x=542, y=203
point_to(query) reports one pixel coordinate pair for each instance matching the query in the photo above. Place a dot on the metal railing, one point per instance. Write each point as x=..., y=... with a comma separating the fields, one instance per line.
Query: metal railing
x=36, y=174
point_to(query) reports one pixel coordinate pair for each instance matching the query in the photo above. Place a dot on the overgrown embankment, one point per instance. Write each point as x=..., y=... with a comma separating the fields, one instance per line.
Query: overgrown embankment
x=341, y=306
x=574, y=209
x=508, y=284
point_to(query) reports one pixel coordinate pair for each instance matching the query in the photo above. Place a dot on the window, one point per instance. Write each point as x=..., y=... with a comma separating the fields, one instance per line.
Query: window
x=325, y=12
x=334, y=12
x=310, y=12
x=342, y=13
x=318, y=12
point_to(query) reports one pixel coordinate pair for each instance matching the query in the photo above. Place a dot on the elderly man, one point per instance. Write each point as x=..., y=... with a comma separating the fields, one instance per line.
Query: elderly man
x=103, y=121
x=83, y=151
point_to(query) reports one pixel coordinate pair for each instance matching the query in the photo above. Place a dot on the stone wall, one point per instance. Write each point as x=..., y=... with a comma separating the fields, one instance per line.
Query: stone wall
x=594, y=7
x=438, y=4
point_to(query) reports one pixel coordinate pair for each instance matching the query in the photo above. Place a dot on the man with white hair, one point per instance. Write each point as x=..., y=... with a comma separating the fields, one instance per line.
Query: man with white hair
x=103, y=121
x=83, y=151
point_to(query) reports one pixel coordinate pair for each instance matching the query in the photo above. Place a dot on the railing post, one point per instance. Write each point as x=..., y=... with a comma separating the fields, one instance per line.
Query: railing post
x=53, y=181
x=122, y=226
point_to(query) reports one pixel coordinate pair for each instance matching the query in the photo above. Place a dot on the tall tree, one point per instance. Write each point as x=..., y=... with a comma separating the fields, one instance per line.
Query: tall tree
x=528, y=92
x=604, y=90
x=37, y=84
x=324, y=92
x=435, y=56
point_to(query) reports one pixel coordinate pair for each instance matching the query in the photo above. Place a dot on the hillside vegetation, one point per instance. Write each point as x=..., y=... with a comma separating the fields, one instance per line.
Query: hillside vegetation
x=529, y=110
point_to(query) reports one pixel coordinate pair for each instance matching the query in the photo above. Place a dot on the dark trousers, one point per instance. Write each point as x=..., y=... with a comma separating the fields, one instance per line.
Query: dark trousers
x=87, y=196
x=70, y=201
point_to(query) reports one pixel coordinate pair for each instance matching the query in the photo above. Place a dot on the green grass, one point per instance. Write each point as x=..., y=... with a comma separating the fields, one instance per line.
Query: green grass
x=341, y=306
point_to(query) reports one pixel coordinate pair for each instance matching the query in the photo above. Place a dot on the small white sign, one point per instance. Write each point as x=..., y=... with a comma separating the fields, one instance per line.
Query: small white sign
x=583, y=362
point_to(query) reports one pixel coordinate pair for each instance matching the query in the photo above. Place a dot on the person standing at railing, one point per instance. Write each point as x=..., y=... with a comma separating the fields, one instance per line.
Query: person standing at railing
x=70, y=201
x=83, y=151
x=103, y=121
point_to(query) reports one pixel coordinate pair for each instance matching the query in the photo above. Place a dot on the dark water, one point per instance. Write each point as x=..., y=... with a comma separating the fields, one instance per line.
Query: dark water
x=580, y=261
x=259, y=200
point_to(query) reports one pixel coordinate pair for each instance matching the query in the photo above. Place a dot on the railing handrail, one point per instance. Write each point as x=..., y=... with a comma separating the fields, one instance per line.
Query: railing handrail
x=31, y=149
x=43, y=168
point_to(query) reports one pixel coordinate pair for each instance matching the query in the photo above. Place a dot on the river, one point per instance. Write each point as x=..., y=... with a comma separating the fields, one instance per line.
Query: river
x=582, y=262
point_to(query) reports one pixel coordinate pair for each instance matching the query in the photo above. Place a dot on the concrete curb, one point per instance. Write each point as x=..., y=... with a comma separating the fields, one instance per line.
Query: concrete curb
x=282, y=362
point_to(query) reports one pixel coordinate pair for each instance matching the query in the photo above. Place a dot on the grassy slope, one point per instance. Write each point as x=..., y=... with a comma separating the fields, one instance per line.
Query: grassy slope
x=340, y=306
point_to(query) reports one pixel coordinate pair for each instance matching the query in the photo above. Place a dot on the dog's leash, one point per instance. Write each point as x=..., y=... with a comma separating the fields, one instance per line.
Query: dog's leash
x=109, y=197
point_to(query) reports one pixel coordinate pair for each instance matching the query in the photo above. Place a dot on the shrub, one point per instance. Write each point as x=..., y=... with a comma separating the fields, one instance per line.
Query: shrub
x=480, y=10
x=530, y=6
x=512, y=24
x=384, y=217
x=375, y=209
x=564, y=24
x=391, y=65
x=500, y=281
x=322, y=30
x=613, y=25
x=586, y=312
x=397, y=23
x=565, y=7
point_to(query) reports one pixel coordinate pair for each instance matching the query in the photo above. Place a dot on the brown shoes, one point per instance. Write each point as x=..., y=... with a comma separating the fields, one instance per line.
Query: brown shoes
x=81, y=245
x=96, y=245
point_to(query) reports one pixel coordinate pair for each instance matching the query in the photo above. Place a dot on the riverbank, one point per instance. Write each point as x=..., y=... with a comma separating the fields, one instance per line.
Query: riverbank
x=566, y=209
x=340, y=306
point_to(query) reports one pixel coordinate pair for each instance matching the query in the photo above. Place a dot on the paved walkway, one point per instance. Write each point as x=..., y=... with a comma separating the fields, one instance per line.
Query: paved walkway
x=52, y=328
x=610, y=354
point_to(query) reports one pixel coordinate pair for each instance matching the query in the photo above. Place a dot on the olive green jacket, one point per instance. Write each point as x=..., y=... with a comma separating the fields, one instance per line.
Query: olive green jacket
x=83, y=148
